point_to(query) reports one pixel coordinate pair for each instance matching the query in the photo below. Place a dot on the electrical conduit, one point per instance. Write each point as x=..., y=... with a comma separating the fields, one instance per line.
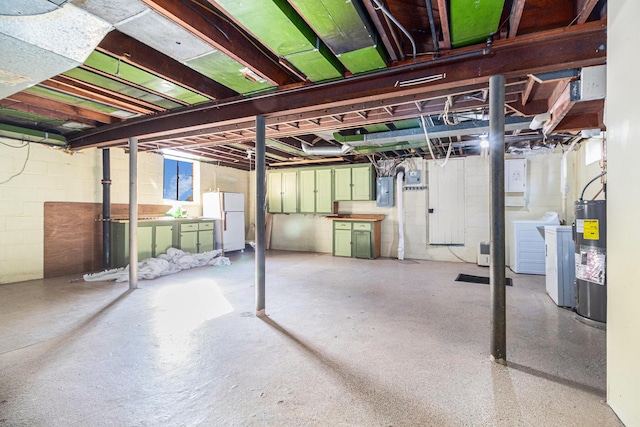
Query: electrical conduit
x=399, y=180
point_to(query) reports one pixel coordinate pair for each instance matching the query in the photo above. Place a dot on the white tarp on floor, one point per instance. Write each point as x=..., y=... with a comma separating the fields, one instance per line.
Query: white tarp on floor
x=173, y=261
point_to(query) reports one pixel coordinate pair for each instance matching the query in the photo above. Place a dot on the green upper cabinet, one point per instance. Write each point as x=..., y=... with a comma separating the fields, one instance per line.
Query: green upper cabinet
x=316, y=191
x=282, y=192
x=354, y=183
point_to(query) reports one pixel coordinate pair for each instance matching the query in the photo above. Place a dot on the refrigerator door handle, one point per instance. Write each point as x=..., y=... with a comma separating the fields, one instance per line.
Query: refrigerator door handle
x=224, y=221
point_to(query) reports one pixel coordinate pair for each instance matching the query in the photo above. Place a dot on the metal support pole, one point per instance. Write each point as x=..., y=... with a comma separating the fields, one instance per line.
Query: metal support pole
x=260, y=215
x=497, y=249
x=106, y=209
x=133, y=213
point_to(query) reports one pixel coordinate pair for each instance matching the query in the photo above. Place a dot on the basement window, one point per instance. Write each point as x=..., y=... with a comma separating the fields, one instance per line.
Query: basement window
x=178, y=180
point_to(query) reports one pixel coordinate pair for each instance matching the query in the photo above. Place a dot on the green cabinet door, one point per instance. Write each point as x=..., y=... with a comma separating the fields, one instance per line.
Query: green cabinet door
x=362, y=245
x=342, y=183
x=205, y=237
x=362, y=180
x=145, y=243
x=342, y=243
x=290, y=192
x=163, y=239
x=324, y=190
x=274, y=192
x=189, y=237
x=307, y=190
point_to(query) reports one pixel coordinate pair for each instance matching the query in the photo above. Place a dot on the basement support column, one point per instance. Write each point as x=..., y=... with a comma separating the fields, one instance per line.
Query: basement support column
x=497, y=249
x=106, y=208
x=260, y=215
x=133, y=213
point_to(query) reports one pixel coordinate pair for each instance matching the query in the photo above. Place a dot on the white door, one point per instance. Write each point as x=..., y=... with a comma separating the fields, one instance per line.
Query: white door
x=446, y=203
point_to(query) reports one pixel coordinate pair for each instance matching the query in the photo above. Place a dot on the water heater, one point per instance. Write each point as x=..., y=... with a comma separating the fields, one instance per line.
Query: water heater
x=590, y=237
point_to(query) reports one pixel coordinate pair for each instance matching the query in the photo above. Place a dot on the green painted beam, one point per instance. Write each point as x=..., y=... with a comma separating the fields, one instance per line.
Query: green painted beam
x=227, y=71
x=472, y=21
x=31, y=135
x=276, y=24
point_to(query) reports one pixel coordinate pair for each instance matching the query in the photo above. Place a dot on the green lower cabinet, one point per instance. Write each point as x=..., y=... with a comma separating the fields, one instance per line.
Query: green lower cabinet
x=342, y=243
x=196, y=237
x=156, y=237
x=362, y=245
x=357, y=239
x=153, y=239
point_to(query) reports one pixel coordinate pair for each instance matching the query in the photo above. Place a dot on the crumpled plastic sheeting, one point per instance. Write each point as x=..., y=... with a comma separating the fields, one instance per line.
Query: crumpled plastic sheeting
x=172, y=262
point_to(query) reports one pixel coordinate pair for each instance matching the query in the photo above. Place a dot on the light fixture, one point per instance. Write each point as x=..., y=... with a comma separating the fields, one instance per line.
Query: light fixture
x=251, y=75
x=484, y=141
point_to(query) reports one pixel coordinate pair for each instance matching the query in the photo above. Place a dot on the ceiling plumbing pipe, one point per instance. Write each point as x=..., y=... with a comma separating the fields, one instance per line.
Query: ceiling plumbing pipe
x=432, y=24
x=399, y=180
x=564, y=188
x=326, y=151
x=395, y=21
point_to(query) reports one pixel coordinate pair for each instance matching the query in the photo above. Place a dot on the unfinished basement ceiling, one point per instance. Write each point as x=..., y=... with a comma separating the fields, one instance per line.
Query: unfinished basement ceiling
x=191, y=76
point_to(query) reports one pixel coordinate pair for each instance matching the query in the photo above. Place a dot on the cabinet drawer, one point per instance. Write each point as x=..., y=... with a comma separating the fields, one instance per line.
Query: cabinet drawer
x=189, y=227
x=205, y=226
x=362, y=226
x=342, y=225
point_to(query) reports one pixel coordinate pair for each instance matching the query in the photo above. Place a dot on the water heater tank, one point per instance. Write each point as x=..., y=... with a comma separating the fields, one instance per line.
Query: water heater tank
x=590, y=237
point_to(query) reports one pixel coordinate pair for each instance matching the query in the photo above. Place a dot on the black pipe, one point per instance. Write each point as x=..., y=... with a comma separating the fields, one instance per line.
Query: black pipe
x=497, y=279
x=432, y=24
x=260, y=214
x=106, y=208
x=589, y=183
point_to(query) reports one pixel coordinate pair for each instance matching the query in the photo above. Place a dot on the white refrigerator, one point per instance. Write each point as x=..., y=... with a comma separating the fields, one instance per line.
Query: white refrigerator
x=228, y=211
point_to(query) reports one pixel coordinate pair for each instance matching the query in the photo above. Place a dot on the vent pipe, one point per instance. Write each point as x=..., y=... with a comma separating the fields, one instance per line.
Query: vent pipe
x=326, y=151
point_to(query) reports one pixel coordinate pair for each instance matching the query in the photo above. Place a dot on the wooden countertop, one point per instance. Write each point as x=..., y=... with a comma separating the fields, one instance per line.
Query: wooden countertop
x=356, y=217
x=163, y=219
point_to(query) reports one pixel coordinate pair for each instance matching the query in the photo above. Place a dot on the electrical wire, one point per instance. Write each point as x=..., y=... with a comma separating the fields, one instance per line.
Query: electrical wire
x=395, y=21
x=26, y=144
x=426, y=135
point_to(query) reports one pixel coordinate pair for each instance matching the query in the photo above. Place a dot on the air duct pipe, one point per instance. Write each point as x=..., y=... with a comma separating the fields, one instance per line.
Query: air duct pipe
x=326, y=151
x=399, y=180
x=564, y=188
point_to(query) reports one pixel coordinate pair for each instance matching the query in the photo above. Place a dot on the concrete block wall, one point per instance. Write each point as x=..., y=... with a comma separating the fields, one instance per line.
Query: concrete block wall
x=52, y=175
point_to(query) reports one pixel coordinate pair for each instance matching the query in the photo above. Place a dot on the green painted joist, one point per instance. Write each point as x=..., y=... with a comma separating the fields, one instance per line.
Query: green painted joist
x=276, y=24
x=226, y=71
x=344, y=30
x=472, y=21
x=142, y=78
x=117, y=86
x=284, y=148
x=70, y=99
x=31, y=135
x=33, y=118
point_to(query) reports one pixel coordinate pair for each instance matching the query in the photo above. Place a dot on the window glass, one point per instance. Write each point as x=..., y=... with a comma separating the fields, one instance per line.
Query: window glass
x=178, y=180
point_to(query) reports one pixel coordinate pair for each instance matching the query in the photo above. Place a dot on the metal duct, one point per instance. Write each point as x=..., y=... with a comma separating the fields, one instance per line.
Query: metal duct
x=326, y=151
x=42, y=45
x=417, y=134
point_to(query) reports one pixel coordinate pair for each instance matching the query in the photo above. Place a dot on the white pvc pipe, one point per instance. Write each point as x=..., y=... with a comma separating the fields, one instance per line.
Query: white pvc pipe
x=399, y=179
x=564, y=188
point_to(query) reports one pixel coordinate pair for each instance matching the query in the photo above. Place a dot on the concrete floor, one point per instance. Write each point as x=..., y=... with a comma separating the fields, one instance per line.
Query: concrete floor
x=347, y=342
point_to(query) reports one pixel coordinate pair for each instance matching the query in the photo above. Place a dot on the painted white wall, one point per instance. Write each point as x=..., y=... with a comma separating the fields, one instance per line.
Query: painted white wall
x=51, y=175
x=313, y=232
x=623, y=205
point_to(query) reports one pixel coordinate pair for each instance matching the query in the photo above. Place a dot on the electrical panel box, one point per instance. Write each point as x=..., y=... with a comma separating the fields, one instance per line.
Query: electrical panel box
x=412, y=177
x=384, y=191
